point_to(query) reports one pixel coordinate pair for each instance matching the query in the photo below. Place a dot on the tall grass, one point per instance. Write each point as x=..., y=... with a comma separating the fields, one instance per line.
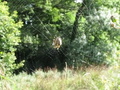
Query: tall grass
x=93, y=78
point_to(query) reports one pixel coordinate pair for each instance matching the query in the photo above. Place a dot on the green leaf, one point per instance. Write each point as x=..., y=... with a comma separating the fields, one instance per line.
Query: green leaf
x=113, y=19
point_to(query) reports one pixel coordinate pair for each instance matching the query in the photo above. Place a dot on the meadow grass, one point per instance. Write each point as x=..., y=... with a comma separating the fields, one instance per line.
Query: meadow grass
x=92, y=78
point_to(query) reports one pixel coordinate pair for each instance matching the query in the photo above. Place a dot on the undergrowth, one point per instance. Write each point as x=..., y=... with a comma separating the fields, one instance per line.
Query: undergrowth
x=92, y=78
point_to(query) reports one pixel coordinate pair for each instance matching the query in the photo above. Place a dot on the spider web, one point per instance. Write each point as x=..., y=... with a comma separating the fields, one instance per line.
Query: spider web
x=36, y=28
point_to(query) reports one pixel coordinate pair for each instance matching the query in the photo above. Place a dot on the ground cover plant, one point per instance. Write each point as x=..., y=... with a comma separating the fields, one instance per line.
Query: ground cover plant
x=92, y=78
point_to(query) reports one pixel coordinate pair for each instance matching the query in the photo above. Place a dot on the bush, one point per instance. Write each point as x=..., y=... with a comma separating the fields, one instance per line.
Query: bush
x=9, y=38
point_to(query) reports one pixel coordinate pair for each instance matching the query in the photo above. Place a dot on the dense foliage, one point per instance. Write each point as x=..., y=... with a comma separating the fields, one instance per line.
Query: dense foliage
x=97, y=42
x=9, y=38
x=43, y=20
x=85, y=29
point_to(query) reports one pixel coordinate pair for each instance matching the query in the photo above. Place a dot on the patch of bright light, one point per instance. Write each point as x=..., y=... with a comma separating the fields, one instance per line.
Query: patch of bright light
x=78, y=1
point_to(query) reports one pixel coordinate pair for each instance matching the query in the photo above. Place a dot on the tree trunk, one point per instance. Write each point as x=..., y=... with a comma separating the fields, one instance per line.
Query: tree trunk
x=75, y=25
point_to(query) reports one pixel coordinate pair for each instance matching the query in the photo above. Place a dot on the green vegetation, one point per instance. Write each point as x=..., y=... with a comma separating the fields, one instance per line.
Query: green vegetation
x=88, y=58
x=85, y=29
x=95, y=78
x=9, y=38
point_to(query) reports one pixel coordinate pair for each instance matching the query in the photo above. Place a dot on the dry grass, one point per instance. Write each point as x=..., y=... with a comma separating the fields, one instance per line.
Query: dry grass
x=93, y=78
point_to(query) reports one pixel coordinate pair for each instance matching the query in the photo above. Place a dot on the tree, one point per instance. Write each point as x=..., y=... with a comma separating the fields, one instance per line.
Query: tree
x=94, y=42
x=86, y=33
x=43, y=20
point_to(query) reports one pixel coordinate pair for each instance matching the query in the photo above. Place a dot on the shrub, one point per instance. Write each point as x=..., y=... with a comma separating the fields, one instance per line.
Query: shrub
x=9, y=38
